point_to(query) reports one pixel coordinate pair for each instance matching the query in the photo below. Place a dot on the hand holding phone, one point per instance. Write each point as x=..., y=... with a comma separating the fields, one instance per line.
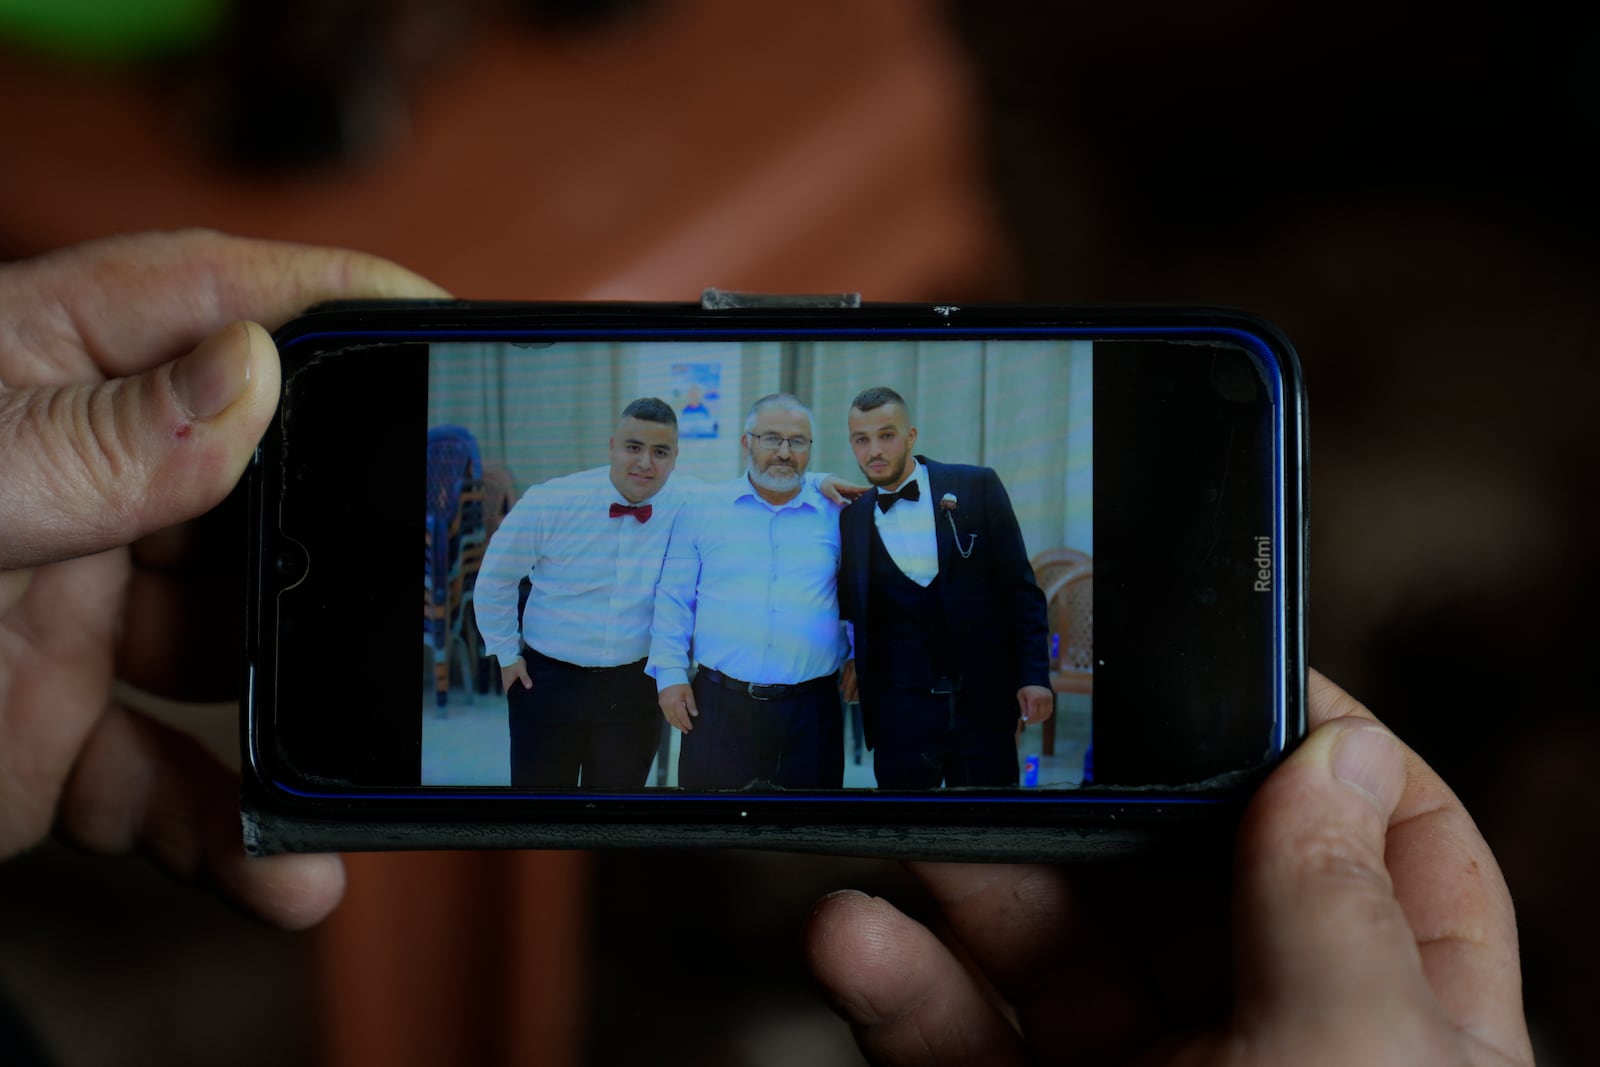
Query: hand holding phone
x=1371, y=925
x=128, y=406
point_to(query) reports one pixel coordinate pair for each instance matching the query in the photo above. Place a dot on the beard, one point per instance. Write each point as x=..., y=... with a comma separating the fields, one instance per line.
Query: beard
x=889, y=478
x=771, y=480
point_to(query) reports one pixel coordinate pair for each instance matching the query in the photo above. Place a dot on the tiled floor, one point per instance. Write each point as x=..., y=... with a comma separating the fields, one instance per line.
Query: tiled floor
x=466, y=745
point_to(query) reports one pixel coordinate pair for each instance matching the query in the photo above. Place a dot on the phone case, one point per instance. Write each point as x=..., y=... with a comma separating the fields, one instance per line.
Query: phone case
x=1108, y=824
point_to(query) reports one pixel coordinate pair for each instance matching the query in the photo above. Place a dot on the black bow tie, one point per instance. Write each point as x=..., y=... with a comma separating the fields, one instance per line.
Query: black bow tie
x=910, y=491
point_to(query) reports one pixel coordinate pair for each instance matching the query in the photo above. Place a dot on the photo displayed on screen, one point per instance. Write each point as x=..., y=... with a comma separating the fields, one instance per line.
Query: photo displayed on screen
x=800, y=565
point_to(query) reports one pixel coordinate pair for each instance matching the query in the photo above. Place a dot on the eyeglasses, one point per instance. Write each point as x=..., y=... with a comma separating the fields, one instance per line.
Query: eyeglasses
x=772, y=442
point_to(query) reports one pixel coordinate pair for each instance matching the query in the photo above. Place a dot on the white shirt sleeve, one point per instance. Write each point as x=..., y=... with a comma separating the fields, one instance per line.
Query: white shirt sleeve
x=512, y=552
x=672, y=628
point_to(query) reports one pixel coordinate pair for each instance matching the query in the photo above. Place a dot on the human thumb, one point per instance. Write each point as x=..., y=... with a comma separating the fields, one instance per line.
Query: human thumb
x=88, y=467
x=1321, y=936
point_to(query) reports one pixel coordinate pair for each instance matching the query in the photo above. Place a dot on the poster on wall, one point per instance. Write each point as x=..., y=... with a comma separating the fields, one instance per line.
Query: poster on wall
x=697, y=396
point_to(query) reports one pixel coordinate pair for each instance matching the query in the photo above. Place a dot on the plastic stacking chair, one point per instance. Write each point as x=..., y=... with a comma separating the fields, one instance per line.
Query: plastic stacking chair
x=1070, y=603
x=453, y=521
x=1069, y=600
x=1054, y=562
x=465, y=645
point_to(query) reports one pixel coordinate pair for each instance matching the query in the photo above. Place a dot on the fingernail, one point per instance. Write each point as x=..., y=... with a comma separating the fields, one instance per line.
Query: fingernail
x=214, y=375
x=1370, y=759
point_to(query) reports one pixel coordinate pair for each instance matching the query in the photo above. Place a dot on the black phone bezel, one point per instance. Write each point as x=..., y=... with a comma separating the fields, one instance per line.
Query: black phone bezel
x=279, y=817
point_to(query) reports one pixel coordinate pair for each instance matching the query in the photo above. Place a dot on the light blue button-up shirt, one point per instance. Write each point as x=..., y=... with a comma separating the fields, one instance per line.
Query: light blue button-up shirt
x=751, y=587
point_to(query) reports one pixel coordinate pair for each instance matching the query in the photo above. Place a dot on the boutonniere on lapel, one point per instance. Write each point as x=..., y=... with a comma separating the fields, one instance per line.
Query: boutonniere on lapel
x=949, y=505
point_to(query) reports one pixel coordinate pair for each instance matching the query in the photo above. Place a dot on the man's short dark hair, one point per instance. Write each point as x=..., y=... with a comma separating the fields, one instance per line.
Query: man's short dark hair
x=650, y=409
x=876, y=397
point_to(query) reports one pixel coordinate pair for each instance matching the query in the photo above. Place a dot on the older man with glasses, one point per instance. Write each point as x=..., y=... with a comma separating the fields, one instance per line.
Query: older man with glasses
x=750, y=584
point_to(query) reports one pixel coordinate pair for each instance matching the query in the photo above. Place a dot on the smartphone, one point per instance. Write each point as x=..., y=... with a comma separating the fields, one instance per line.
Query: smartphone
x=1060, y=613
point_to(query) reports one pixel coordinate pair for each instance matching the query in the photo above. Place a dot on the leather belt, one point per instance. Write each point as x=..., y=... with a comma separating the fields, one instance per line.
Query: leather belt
x=756, y=691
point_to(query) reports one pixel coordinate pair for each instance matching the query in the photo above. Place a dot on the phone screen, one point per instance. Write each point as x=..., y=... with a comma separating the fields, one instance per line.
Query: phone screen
x=1095, y=587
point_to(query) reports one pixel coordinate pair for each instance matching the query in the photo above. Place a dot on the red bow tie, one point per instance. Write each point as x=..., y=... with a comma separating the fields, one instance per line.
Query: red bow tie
x=638, y=511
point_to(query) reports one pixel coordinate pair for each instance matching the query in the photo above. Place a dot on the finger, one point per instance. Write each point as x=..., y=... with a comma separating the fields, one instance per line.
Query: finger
x=140, y=786
x=13, y=585
x=1453, y=896
x=675, y=716
x=171, y=549
x=906, y=997
x=1322, y=937
x=1366, y=892
x=179, y=636
x=55, y=669
x=1325, y=701
x=1020, y=925
x=514, y=674
x=131, y=303
x=1014, y=918
x=90, y=467
x=176, y=639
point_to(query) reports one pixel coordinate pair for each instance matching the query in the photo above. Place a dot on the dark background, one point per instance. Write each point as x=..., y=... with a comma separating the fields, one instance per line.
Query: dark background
x=1409, y=193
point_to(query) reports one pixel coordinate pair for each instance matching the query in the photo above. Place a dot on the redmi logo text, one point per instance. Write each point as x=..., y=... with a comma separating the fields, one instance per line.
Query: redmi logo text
x=1263, y=563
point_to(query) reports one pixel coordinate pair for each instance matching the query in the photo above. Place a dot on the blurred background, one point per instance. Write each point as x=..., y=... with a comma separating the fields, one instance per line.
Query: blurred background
x=1409, y=195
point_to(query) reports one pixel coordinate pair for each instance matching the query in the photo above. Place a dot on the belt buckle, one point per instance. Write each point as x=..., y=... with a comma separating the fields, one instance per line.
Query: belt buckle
x=944, y=685
x=750, y=690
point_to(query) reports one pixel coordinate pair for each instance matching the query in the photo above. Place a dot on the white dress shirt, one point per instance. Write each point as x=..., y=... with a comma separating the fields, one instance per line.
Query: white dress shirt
x=751, y=587
x=907, y=530
x=593, y=576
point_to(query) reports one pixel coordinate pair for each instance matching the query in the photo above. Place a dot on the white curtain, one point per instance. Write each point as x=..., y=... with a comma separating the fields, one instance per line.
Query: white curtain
x=543, y=411
x=1021, y=407
x=538, y=411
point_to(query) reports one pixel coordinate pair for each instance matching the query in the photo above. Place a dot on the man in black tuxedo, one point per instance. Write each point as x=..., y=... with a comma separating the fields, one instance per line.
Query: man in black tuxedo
x=950, y=627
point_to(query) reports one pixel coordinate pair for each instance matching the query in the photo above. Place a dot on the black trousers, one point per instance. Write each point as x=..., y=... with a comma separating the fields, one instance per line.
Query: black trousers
x=738, y=741
x=582, y=728
x=925, y=740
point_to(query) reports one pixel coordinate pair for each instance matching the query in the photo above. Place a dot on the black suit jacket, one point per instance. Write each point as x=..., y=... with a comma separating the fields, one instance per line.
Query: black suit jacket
x=993, y=608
